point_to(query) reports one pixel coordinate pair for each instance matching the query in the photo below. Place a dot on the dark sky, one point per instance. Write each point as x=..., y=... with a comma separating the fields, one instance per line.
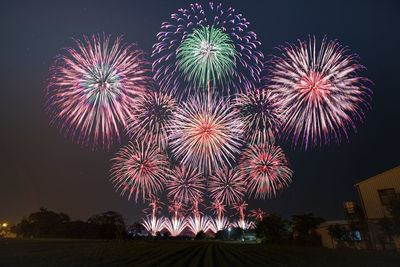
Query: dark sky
x=39, y=167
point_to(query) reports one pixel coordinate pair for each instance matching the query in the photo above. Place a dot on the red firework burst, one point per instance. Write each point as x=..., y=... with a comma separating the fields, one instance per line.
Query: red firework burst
x=140, y=169
x=227, y=186
x=266, y=170
x=261, y=115
x=205, y=133
x=185, y=184
x=151, y=116
x=257, y=214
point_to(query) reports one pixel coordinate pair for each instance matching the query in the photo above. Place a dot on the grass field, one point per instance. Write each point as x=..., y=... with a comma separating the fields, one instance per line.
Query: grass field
x=179, y=253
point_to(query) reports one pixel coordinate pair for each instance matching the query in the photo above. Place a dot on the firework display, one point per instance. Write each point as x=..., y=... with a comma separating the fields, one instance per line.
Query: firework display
x=150, y=118
x=227, y=186
x=185, y=184
x=260, y=114
x=320, y=90
x=205, y=46
x=266, y=170
x=204, y=123
x=205, y=133
x=92, y=87
x=139, y=169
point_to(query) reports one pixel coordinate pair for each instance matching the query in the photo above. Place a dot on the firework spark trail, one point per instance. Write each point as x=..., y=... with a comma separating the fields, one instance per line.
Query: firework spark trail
x=185, y=184
x=266, y=170
x=194, y=26
x=151, y=116
x=227, y=186
x=205, y=134
x=320, y=90
x=140, y=169
x=261, y=115
x=92, y=87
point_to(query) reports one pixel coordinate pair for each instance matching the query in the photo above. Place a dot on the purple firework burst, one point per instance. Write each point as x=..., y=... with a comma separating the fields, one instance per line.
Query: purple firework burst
x=92, y=87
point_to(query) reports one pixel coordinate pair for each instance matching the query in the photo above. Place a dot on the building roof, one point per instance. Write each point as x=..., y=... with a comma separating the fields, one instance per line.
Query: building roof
x=395, y=170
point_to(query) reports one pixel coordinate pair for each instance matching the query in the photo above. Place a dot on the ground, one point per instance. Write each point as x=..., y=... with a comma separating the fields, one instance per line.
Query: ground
x=14, y=252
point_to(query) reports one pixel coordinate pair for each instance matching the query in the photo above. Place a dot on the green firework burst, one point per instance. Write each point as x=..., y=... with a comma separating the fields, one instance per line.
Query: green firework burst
x=206, y=56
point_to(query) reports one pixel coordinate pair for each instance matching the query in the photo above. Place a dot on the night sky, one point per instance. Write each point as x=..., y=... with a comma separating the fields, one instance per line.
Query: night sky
x=41, y=168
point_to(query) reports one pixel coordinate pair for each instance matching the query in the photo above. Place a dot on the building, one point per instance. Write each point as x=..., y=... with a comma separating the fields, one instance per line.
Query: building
x=352, y=238
x=375, y=194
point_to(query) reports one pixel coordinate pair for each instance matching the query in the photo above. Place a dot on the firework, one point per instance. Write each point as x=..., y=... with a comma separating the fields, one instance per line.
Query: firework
x=154, y=205
x=206, y=56
x=243, y=224
x=227, y=186
x=217, y=224
x=153, y=225
x=220, y=222
x=139, y=169
x=92, y=88
x=257, y=214
x=266, y=170
x=197, y=222
x=260, y=114
x=151, y=222
x=205, y=133
x=177, y=224
x=185, y=184
x=320, y=90
x=150, y=118
x=211, y=46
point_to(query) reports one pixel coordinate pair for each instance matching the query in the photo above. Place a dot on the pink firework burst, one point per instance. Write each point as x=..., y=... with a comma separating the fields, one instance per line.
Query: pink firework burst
x=139, y=169
x=185, y=184
x=205, y=133
x=261, y=115
x=227, y=186
x=151, y=116
x=320, y=90
x=92, y=87
x=266, y=170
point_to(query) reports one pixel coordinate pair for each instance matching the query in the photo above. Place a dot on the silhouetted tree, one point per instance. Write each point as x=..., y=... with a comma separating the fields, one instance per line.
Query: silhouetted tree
x=304, y=229
x=44, y=223
x=109, y=225
x=272, y=229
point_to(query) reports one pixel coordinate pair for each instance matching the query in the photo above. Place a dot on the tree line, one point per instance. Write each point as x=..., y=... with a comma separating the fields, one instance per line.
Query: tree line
x=301, y=229
x=49, y=224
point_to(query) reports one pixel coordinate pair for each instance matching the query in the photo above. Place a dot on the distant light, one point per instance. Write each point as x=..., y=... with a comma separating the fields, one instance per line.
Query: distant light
x=229, y=229
x=4, y=224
